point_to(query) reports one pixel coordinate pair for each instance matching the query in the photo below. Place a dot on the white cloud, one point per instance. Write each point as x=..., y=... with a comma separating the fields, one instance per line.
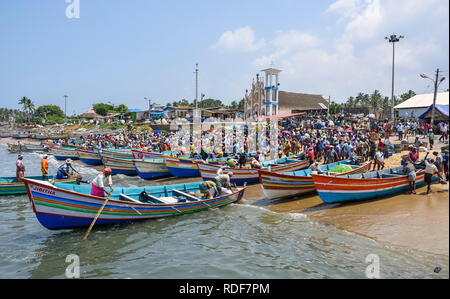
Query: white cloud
x=293, y=39
x=358, y=59
x=241, y=40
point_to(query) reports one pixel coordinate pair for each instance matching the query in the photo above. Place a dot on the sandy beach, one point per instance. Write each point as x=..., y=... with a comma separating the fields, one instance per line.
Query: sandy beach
x=417, y=221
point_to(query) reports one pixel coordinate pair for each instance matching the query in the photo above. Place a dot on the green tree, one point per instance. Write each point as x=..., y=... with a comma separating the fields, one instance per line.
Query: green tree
x=241, y=105
x=103, y=109
x=27, y=106
x=122, y=108
x=404, y=97
x=351, y=102
x=49, y=110
x=375, y=101
x=335, y=108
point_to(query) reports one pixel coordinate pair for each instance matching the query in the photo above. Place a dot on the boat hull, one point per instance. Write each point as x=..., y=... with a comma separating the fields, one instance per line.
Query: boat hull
x=246, y=175
x=90, y=158
x=185, y=168
x=17, y=188
x=57, y=208
x=338, y=189
x=120, y=166
x=64, y=154
x=151, y=169
x=282, y=185
x=138, y=154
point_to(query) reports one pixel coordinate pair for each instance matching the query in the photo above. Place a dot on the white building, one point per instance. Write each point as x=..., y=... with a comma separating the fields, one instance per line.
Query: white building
x=265, y=98
x=418, y=104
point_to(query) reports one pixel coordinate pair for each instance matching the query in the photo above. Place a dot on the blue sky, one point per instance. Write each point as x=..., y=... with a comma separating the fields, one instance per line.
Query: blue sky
x=123, y=51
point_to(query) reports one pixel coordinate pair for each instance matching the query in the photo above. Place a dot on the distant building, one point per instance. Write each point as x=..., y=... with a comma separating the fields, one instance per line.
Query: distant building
x=418, y=104
x=90, y=114
x=265, y=99
x=179, y=111
x=292, y=102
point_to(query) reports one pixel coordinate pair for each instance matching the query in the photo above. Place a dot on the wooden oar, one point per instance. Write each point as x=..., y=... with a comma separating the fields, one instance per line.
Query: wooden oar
x=95, y=219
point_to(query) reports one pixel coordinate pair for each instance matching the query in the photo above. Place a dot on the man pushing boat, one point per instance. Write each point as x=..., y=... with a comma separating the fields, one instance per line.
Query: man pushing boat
x=64, y=170
x=98, y=184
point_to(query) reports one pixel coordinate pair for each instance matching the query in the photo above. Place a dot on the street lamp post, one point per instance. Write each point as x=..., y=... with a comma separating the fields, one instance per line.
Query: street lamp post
x=196, y=86
x=393, y=39
x=436, y=83
x=65, y=107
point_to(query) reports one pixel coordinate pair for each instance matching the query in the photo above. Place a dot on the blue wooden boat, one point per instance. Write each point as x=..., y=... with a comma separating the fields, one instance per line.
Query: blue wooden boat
x=151, y=168
x=294, y=183
x=10, y=185
x=64, y=153
x=63, y=206
x=365, y=186
x=89, y=157
x=247, y=175
x=120, y=165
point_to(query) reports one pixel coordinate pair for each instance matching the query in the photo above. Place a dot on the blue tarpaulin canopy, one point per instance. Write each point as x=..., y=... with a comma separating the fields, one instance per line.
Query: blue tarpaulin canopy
x=442, y=109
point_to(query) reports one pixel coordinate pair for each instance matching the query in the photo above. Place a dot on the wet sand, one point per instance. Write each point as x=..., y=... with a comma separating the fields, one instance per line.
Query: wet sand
x=417, y=221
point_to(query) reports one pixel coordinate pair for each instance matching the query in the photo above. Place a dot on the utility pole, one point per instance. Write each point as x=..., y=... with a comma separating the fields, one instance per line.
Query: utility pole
x=329, y=102
x=393, y=39
x=196, y=86
x=65, y=107
x=436, y=82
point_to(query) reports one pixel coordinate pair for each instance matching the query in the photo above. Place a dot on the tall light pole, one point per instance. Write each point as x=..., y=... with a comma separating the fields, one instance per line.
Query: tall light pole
x=65, y=107
x=393, y=39
x=436, y=83
x=196, y=86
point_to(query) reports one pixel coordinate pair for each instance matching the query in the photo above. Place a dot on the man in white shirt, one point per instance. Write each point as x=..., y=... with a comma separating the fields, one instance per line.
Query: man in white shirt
x=98, y=184
x=430, y=170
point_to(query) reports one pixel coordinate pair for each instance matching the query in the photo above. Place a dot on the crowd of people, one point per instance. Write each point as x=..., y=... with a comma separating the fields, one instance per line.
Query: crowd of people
x=317, y=140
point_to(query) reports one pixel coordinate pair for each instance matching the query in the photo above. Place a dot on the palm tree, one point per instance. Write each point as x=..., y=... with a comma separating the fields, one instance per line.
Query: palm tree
x=28, y=106
x=351, y=102
x=376, y=101
x=359, y=100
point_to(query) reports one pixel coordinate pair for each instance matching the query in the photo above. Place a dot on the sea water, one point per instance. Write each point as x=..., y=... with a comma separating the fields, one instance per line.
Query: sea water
x=239, y=241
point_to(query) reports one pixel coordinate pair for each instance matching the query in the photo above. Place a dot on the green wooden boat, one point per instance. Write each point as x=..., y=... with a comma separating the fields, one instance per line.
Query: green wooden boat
x=10, y=185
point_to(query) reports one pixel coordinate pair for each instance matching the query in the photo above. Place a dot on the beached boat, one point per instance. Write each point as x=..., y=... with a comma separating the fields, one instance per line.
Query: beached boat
x=140, y=154
x=5, y=135
x=26, y=147
x=186, y=167
x=10, y=185
x=89, y=157
x=58, y=137
x=332, y=189
x=120, y=165
x=251, y=175
x=288, y=184
x=20, y=136
x=151, y=168
x=65, y=206
x=39, y=137
x=63, y=153
x=113, y=153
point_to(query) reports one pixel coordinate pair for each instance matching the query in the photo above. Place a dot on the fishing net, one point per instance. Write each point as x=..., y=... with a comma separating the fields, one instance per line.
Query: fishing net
x=340, y=168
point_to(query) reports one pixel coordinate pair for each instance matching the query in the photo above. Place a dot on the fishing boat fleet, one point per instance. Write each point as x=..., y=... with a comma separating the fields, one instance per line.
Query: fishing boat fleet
x=65, y=204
